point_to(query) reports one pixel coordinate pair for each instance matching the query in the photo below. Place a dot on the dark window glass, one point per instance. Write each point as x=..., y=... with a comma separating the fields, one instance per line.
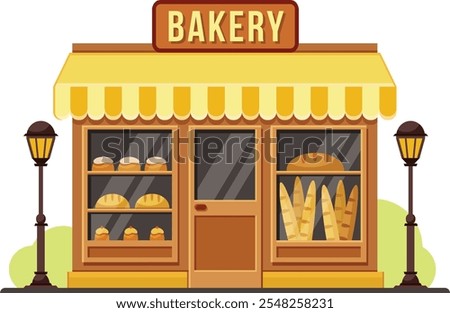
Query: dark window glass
x=225, y=165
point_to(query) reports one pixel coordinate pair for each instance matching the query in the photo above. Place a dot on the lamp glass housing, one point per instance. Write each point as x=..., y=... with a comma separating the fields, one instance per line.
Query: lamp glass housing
x=40, y=148
x=410, y=148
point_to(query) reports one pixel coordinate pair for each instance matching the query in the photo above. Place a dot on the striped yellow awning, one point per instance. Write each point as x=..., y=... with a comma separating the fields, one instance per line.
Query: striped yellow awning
x=217, y=85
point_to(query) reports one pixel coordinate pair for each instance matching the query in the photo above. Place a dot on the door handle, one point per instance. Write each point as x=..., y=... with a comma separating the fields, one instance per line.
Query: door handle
x=200, y=207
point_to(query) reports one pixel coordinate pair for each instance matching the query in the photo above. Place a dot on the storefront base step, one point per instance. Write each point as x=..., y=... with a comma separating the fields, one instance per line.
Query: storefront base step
x=270, y=280
x=323, y=279
x=127, y=280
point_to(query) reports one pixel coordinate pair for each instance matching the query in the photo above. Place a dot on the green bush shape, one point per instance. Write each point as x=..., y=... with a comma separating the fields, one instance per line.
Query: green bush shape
x=58, y=259
x=391, y=252
x=392, y=247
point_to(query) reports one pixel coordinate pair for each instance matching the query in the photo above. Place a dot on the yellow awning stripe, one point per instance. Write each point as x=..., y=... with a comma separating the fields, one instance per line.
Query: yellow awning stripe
x=147, y=102
x=267, y=103
x=79, y=101
x=388, y=96
x=181, y=102
x=216, y=102
x=233, y=102
x=130, y=102
x=199, y=102
x=164, y=102
x=319, y=102
x=113, y=102
x=302, y=102
x=371, y=102
x=250, y=102
x=353, y=102
x=285, y=102
x=96, y=102
x=336, y=102
x=265, y=85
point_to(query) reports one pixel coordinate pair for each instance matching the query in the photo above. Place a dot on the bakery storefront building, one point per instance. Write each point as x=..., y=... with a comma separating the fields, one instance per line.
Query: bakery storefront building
x=225, y=168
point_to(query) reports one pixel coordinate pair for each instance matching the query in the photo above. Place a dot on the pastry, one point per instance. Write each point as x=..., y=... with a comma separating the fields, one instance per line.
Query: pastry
x=129, y=164
x=157, y=233
x=101, y=233
x=152, y=201
x=102, y=164
x=130, y=233
x=155, y=164
x=315, y=162
x=112, y=200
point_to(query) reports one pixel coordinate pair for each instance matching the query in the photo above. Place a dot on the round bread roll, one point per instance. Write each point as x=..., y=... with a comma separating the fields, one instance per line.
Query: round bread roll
x=129, y=164
x=157, y=233
x=130, y=233
x=315, y=162
x=101, y=233
x=155, y=164
x=152, y=201
x=112, y=201
x=102, y=164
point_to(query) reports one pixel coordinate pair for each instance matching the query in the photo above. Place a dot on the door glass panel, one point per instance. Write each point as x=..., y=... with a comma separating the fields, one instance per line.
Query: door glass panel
x=224, y=165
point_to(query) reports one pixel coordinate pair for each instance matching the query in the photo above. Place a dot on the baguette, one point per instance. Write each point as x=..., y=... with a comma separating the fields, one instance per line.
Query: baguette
x=349, y=220
x=329, y=217
x=299, y=200
x=290, y=223
x=339, y=204
x=309, y=212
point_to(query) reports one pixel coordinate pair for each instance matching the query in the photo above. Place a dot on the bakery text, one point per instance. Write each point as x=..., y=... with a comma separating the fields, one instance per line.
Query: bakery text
x=217, y=26
x=240, y=23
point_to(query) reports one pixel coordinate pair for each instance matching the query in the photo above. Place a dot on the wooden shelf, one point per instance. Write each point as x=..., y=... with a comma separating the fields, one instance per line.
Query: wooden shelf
x=129, y=173
x=129, y=211
x=129, y=243
x=318, y=173
x=318, y=243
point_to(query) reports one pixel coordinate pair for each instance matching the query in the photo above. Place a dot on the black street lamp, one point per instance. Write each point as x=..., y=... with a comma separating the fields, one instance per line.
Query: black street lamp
x=410, y=138
x=40, y=138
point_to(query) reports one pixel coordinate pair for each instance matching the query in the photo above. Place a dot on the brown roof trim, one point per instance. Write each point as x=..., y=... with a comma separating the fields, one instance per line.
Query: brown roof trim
x=112, y=47
x=337, y=47
x=303, y=47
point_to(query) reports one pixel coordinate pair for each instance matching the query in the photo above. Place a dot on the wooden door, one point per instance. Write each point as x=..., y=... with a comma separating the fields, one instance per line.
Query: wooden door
x=225, y=207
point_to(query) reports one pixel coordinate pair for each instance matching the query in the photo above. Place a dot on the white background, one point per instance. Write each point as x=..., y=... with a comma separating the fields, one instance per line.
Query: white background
x=36, y=36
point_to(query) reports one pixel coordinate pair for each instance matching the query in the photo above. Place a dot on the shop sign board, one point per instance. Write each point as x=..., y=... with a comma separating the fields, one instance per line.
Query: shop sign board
x=231, y=26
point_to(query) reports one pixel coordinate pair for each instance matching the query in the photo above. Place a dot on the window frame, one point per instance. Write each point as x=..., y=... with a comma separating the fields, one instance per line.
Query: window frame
x=169, y=248
x=255, y=149
x=318, y=251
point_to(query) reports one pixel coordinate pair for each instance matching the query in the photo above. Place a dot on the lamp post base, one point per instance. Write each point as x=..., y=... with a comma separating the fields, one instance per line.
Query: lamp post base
x=410, y=280
x=41, y=280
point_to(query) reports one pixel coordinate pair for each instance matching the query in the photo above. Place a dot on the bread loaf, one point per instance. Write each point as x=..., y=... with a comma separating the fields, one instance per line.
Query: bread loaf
x=307, y=222
x=155, y=164
x=130, y=233
x=101, y=233
x=152, y=201
x=102, y=164
x=289, y=219
x=129, y=164
x=112, y=201
x=349, y=218
x=315, y=162
x=329, y=217
x=157, y=233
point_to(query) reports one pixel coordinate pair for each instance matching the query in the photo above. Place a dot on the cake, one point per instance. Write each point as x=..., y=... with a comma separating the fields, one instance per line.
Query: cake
x=157, y=233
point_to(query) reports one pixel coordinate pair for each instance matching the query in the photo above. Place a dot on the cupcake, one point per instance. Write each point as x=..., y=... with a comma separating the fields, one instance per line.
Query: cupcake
x=157, y=233
x=101, y=233
x=102, y=164
x=156, y=164
x=130, y=233
x=129, y=164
